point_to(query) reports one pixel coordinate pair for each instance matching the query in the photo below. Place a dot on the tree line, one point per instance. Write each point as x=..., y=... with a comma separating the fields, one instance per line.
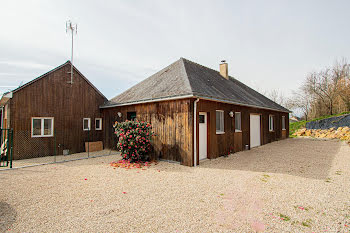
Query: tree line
x=323, y=92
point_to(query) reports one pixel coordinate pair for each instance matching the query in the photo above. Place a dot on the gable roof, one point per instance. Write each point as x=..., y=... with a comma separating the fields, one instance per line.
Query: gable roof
x=184, y=79
x=53, y=70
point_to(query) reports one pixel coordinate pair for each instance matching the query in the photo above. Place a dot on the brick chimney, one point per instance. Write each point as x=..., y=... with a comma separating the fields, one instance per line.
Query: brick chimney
x=224, y=69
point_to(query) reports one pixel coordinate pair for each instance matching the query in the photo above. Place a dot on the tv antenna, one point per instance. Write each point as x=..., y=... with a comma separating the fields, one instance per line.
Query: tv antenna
x=73, y=29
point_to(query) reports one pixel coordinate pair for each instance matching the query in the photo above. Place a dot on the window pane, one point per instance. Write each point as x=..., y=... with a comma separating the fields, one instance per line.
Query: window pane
x=238, y=120
x=217, y=121
x=36, y=126
x=47, y=126
x=86, y=124
x=97, y=123
x=201, y=119
x=222, y=121
x=271, y=123
x=131, y=116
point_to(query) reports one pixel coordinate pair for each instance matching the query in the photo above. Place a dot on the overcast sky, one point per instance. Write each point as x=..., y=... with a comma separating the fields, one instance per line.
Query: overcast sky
x=268, y=44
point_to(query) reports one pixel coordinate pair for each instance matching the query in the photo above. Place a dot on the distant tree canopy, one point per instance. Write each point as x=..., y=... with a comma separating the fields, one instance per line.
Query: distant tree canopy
x=325, y=92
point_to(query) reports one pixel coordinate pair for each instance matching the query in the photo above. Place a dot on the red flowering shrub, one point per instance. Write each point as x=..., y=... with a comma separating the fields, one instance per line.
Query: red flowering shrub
x=134, y=140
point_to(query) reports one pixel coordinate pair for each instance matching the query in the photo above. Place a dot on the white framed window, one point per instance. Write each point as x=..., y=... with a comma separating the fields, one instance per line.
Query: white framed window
x=98, y=123
x=283, y=123
x=86, y=124
x=220, y=122
x=238, y=122
x=271, y=125
x=42, y=126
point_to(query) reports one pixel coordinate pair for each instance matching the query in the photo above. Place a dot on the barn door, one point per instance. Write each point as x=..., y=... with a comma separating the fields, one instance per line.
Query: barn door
x=255, y=136
x=203, y=135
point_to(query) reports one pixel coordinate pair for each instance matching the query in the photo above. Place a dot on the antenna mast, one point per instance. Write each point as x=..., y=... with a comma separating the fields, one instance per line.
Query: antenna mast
x=71, y=28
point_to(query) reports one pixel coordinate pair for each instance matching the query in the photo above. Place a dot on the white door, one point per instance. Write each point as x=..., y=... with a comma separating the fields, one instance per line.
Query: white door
x=202, y=135
x=255, y=131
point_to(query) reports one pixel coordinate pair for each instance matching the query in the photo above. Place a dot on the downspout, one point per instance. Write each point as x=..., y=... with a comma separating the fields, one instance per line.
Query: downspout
x=195, y=132
x=2, y=116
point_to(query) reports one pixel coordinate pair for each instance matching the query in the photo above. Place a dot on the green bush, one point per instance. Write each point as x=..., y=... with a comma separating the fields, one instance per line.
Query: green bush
x=134, y=140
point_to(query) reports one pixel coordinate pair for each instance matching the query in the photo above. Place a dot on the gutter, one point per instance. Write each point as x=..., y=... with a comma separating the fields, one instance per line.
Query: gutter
x=239, y=104
x=2, y=117
x=195, y=132
x=149, y=100
x=192, y=96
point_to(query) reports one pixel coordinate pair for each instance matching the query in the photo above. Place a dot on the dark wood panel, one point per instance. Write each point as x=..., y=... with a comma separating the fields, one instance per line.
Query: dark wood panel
x=220, y=144
x=53, y=96
x=171, y=121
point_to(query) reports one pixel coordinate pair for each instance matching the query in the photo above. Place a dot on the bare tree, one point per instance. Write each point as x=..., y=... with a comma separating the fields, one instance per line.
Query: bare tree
x=341, y=70
x=300, y=101
x=324, y=85
x=277, y=96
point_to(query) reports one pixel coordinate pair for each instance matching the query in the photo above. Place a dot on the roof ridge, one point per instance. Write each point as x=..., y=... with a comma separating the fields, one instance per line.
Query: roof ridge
x=39, y=77
x=160, y=72
x=186, y=78
x=68, y=62
x=204, y=66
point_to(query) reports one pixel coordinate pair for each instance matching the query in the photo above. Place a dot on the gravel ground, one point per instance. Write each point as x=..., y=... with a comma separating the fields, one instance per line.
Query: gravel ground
x=294, y=185
x=58, y=158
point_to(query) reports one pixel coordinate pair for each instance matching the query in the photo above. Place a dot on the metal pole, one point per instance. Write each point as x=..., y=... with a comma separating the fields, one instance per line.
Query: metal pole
x=88, y=143
x=55, y=144
x=8, y=146
x=71, y=68
x=11, y=132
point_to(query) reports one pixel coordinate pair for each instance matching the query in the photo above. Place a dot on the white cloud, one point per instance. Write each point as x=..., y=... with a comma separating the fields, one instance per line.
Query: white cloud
x=270, y=44
x=26, y=65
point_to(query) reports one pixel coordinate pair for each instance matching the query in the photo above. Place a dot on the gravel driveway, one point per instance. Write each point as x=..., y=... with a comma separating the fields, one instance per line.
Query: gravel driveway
x=294, y=185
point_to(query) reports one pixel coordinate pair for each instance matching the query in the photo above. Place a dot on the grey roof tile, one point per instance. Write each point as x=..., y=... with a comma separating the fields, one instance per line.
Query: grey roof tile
x=185, y=77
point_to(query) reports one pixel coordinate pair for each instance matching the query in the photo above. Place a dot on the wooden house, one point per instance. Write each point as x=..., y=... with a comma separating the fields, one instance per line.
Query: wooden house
x=198, y=113
x=53, y=113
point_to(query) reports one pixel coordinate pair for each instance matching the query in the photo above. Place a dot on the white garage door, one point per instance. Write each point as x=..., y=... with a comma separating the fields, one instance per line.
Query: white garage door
x=254, y=130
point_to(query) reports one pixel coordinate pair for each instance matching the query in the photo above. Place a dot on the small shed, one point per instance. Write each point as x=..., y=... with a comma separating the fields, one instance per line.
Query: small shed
x=50, y=113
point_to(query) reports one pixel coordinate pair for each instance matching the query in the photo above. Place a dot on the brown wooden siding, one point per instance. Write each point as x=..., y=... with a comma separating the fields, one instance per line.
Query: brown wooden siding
x=221, y=144
x=171, y=121
x=53, y=96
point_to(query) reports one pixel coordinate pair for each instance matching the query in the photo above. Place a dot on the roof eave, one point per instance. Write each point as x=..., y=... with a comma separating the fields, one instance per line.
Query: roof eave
x=55, y=69
x=5, y=98
x=148, y=101
x=190, y=96
x=237, y=103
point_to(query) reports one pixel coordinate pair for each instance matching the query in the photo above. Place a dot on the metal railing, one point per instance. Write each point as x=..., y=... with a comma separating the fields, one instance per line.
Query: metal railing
x=26, y=150
x=6, y=142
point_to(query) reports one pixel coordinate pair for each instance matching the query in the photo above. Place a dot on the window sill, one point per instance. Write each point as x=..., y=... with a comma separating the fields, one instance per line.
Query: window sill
x=271, y=131
x=220, y=132
x=42, y=136
x=98, y=129
x=238, y=131
x=284, y=129
x=86, y=129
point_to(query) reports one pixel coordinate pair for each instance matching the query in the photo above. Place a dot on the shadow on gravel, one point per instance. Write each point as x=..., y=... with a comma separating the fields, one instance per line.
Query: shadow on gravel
x=7, y=216
x=309, y=158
